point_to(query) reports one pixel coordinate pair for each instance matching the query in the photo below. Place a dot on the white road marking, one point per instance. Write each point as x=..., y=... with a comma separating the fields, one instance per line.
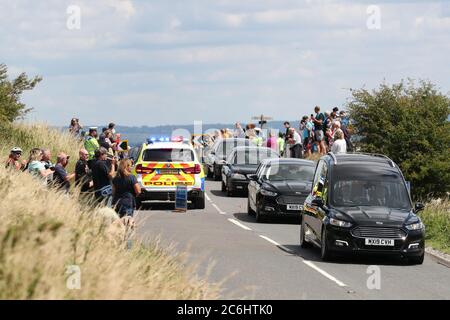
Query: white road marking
x=207, y=197
x=239, y=224
x=218, y=209
x=324, y=273
x=276, y=243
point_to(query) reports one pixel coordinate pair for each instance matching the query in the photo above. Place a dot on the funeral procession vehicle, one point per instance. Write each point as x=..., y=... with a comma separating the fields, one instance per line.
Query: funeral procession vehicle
x=242, y=162
x=279, y=187
x=215, y=158
x=360, y=203
x=162, y=166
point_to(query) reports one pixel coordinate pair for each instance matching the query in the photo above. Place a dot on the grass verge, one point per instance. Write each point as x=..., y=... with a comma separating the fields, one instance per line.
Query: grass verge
x=436, y=218
x=46, y=237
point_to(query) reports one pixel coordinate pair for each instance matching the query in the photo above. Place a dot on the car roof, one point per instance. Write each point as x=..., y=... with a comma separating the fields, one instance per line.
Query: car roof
x=351, y=158
x=240, y=148
x=289, y=161
x=168, y=145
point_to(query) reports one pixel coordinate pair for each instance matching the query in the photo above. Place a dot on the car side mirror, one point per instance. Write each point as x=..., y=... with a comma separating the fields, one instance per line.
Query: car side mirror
x=317, y=202
x=419, y=207
x=252, y=177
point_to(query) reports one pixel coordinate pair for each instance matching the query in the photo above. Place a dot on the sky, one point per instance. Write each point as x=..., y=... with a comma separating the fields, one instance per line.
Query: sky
x=145, y=62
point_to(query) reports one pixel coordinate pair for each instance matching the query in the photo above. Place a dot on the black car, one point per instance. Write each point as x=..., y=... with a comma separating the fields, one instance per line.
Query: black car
x=242, y=162
x=361, y=203
x=217, y=155
x=279, y=187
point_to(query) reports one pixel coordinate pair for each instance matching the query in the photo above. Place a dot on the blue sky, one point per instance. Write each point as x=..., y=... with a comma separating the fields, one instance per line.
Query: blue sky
x=140, y=62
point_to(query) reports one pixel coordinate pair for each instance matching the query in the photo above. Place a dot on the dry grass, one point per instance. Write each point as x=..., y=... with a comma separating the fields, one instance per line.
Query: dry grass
x=43, y=232
x=436, y=218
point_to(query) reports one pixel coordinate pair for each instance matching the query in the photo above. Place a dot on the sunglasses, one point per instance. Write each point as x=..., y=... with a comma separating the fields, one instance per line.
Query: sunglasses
x=17, y=153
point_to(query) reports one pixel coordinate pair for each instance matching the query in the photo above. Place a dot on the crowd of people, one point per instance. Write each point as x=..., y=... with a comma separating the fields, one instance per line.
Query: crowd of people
x=318, y=133
x=102, y=170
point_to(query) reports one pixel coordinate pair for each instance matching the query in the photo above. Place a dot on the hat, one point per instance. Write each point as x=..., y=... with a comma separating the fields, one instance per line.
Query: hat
x=16, y=150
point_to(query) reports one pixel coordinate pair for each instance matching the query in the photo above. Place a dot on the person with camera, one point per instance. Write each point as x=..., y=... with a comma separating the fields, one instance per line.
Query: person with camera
x=61, y=179
x=13, y=161
x=75, y=127
x=83, y=176
x=103, y=170
x=36, y=167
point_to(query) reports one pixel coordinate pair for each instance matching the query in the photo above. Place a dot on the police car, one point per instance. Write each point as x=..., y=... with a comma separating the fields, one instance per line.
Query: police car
x=161, y=166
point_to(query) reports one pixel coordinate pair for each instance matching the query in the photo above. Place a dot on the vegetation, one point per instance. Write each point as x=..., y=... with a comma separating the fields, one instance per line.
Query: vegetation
x=409, y=123
x=436, y=218
x=43, y=233
x=11, y=108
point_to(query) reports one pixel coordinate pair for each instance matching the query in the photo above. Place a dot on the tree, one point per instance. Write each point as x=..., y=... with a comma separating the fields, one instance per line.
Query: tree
x=11, y=108
x=409, y=123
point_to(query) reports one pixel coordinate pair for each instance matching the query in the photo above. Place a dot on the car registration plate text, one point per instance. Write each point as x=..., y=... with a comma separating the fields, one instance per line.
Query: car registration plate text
x=296, y=207
x=379, y=242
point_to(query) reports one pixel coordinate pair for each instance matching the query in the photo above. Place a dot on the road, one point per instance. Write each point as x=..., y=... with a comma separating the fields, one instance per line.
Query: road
x=264, y=260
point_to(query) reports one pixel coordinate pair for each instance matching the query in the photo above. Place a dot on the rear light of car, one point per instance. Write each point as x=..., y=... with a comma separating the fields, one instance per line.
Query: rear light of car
x=193, y=170
x=143, y=170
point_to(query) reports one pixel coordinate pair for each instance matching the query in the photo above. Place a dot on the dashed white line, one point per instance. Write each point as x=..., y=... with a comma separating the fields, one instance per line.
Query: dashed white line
x=324, y=273
x=276, y=243
x=218, y=209
x=239, y=224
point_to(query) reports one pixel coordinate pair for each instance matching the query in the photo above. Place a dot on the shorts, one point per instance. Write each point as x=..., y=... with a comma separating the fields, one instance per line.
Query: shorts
x=318, y=135
x=307, y=144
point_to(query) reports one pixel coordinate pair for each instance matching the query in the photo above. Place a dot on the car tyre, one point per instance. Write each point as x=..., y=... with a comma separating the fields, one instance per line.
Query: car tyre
x=259, y=217
x=325, y=252
x=199, y=202
x=416, y=260
x=303, y=242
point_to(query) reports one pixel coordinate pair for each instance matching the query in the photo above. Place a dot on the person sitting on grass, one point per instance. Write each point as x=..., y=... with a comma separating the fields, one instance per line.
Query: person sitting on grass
x=61, y=179
x=36, y=167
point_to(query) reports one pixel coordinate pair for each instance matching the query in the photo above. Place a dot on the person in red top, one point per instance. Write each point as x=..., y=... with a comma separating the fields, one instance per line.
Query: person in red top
x=13, y=161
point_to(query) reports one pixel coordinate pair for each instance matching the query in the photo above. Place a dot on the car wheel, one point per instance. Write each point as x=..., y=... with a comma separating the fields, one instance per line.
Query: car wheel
x=224, y=187
x=249, y=209
x=325, y=253
x=259, y=217
x=416, y=260
x=217, y=175
x=303, y=242
x=199, y=202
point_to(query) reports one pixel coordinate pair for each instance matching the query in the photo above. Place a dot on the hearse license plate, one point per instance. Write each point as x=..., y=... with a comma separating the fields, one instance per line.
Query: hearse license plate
x=379, y=242
x=296, y=207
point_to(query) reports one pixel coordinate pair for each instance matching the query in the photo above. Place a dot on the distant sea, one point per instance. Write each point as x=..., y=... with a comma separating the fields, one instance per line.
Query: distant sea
x=138, y=135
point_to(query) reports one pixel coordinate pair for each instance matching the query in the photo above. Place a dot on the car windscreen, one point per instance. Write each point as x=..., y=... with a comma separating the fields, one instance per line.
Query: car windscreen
x=168, y=155
x=225, y=147
x=368, y=186
x=253, y=156
x=289, y=171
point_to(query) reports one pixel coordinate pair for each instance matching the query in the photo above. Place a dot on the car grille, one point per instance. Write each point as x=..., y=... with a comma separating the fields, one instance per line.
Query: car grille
x=300, y=199
x=378, y=232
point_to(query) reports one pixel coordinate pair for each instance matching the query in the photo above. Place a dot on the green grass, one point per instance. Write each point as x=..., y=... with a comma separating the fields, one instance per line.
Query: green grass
x=436, y=218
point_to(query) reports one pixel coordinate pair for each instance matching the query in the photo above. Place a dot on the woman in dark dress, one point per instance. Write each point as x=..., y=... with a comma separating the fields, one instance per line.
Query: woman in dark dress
x=125, y=189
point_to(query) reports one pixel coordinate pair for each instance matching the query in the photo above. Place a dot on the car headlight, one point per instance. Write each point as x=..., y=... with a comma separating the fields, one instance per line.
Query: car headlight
x=269, y=193
x=239, y=176
x=415, y=226
x=340, y=223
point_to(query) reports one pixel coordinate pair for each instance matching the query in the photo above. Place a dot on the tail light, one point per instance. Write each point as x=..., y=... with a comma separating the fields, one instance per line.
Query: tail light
x=193, y=170
x=143, y=170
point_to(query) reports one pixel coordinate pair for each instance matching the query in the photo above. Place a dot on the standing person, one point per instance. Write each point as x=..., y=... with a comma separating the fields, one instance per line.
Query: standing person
x=339, y=144
x=238, y=131
x=112, y=128
x=125, y=188
x=296, y=142
x=36, y=167
x=318, y=121
x=272, y=141
x=280, y=143
x=13, y=161
x=82, y=173
x=61, y=179
x=75, y=127
x=91, y=145
x=307, y=135
x=102, y=173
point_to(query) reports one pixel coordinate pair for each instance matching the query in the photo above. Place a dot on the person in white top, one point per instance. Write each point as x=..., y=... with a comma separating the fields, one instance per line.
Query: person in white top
x=339, y=145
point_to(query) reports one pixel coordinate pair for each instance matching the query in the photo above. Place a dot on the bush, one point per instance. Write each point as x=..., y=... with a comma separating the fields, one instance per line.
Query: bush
x=410, y=124
x=436, y=218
